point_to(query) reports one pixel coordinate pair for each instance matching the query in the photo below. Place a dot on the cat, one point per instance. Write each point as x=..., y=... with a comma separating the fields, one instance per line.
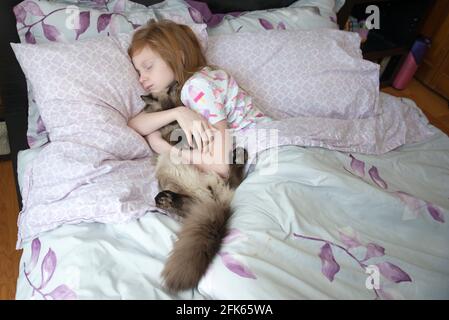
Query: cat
x=201, y=199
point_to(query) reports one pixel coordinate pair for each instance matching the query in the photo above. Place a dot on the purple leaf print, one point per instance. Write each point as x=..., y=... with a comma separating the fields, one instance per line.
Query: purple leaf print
x=84, y=23
x=50, y=32
x=103, y=21
x=135, y=25
x=35, y=252
x=20, y=13
x=48, y=267
x=393, y=272
x=390, y=294
x=413, y=204
x=235, y=266
x=281, y=26
x=197, y=17
x=373, y=250
x=62, y=292
x=349, y=242
x=384, y=295
x=119, y=6
x=329, y=267
x=266, y=24
x=435, y=213
x=31, y=141
x=232, y=235
x=374, y=174
x=357, y=166
x=29, y=38
x=33, y=8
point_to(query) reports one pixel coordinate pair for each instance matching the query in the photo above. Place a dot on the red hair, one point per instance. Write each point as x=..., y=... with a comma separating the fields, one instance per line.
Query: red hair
x=175, y=43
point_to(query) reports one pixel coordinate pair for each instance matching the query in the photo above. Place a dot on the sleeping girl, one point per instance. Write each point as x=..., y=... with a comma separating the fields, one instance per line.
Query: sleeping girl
x=168, y=57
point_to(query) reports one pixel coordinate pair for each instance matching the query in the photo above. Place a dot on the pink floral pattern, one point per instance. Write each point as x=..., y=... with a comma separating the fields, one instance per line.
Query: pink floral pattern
x=301, y=15
x=48, y=268
x=330, y=266
x=414, y=206
x=230, y=261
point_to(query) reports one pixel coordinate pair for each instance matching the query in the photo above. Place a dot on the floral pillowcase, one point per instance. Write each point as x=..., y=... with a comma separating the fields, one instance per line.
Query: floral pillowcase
x=40, y=21
x=300, y=15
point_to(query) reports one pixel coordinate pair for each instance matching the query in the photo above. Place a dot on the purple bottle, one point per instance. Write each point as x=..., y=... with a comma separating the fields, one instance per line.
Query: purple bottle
x=411, y=63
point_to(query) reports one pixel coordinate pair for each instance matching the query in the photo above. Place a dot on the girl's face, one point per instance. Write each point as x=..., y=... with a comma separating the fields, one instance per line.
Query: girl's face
x=155, y=74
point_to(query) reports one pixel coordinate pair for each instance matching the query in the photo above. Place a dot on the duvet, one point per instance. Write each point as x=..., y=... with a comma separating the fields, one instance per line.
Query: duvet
x=309, y=223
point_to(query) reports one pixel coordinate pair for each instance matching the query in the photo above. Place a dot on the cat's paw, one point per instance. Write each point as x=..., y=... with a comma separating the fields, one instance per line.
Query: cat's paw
x=165, y=199
x=171, y=202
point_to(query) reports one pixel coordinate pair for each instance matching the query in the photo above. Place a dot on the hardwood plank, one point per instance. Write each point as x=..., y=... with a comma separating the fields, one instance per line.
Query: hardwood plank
x=9, y=256
x=434, y=106
x=426, y=99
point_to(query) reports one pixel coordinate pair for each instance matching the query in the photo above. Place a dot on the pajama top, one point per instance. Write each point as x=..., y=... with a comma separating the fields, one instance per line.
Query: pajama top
x=216, y=95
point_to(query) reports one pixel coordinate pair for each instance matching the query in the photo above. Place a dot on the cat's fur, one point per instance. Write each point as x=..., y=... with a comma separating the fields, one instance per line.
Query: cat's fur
x=201, y=199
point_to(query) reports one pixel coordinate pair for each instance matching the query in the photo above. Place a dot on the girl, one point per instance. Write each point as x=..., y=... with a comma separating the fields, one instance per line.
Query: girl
x=163, y=52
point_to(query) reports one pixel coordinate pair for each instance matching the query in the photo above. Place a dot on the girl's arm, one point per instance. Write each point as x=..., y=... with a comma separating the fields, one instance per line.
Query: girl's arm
x=157, y=143
x=215, y=161
x=190, y=122
x=145, y=123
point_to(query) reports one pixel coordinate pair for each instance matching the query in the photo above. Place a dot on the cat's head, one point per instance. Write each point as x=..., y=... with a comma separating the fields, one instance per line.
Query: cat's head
x=162, y=100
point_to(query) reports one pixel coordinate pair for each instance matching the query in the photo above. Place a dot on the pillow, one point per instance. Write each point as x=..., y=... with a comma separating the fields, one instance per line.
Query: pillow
x=301, y=15
x=200, y=13
x=315, y=73
x=95, y=168
x=69, y=20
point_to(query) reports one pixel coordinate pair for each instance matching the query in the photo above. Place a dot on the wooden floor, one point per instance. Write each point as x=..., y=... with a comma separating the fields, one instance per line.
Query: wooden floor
x=9, y=257
x=434, y=106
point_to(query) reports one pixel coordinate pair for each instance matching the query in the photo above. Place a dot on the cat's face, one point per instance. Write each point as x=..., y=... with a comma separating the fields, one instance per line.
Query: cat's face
x=163, y=100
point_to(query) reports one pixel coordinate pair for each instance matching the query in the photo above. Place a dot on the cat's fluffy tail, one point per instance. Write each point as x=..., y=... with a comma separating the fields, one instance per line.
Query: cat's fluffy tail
x=199, y=240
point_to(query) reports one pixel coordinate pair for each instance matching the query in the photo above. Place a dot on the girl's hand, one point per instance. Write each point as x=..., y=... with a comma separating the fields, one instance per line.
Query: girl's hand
x=194, y=124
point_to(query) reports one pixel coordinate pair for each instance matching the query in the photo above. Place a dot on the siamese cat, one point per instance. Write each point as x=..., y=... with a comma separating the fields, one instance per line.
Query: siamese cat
x=201, y=199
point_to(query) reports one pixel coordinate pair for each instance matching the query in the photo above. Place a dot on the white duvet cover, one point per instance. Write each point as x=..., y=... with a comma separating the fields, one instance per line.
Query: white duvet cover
x=314, y=224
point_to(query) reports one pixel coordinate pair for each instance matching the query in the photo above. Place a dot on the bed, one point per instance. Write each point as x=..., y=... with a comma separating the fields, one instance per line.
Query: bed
x=345, y=200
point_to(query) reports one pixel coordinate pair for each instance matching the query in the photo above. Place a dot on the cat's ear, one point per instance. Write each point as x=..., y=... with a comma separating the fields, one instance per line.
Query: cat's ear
x=147, y=98
x=173, y=87
x=150, y=22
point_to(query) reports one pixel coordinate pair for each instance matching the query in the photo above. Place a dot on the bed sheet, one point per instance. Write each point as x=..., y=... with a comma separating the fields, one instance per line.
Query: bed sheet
x=309, y=223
